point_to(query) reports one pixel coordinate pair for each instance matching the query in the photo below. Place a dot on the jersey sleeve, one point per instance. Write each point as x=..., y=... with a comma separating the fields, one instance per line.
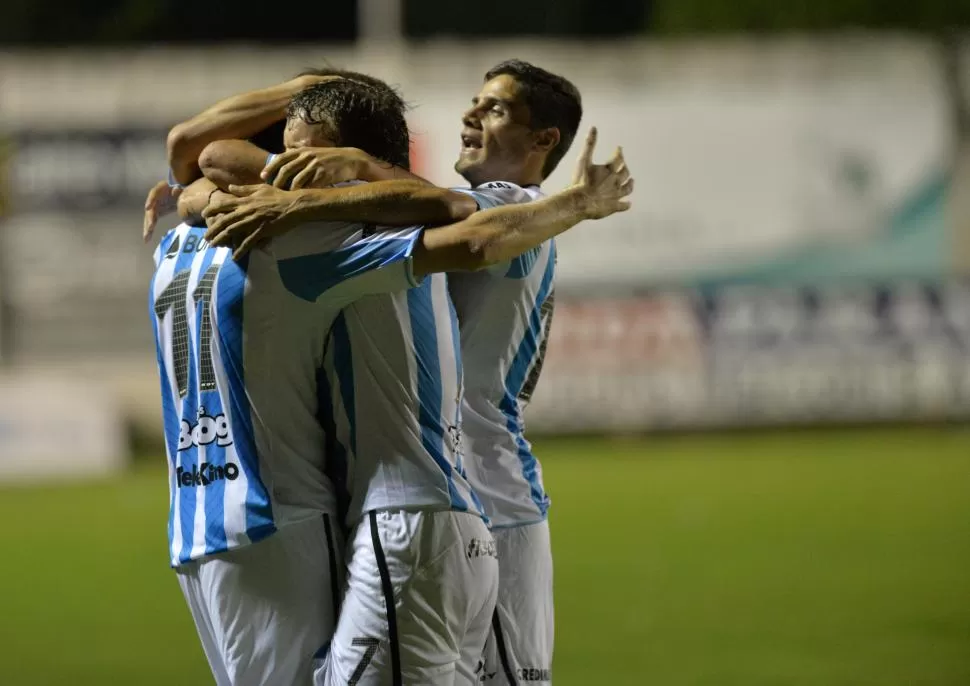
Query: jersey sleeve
x=497, y=194
x=346, y=262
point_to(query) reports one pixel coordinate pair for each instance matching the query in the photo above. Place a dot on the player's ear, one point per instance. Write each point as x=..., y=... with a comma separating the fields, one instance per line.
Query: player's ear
x=545, y=140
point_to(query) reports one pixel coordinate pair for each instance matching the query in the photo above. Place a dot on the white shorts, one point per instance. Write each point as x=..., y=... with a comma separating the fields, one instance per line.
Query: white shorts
x=263, y=611
x=519, y=647
x=421, y=590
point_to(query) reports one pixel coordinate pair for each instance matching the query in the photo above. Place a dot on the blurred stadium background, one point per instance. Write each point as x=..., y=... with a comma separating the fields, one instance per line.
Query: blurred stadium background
x=753, y=412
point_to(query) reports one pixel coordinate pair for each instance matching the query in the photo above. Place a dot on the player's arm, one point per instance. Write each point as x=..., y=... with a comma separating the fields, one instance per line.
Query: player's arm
x=392, y=203
x=349, y=262
x=193, y=200
x=478, y=241
x=233, y=162
x=500, y=234
x=240, y=116
x=322, y=167
x=256, y=213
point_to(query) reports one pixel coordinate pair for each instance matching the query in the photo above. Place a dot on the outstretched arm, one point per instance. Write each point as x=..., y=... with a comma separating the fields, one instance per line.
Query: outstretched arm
x=503, y=233
x=496, y=235
x=478, y=241
x=239, y=116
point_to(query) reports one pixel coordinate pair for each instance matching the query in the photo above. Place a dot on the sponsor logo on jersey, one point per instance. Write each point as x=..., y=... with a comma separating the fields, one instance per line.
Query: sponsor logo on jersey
x=205, y=474
x=479, y=548
x=205, y=431
x=534, y=674
x=173, y=249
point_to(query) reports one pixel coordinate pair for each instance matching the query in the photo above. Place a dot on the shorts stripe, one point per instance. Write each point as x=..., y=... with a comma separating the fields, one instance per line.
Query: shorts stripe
x=396, y=678
x=331, y=553
x=503, y=656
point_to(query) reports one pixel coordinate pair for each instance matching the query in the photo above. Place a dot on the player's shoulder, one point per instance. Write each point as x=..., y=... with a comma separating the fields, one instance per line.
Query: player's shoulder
x=316, y=237
x=327, y=237
x=497, y=193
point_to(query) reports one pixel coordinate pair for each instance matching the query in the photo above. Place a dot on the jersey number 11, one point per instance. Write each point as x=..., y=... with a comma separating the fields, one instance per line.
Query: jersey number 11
x=173, y=298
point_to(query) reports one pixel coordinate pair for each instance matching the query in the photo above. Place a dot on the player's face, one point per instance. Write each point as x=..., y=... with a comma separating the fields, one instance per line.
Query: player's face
x=299, y=134
x=496, y=141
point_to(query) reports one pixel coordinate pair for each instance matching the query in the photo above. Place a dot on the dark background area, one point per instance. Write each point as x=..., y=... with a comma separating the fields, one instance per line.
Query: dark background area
x=80, y=22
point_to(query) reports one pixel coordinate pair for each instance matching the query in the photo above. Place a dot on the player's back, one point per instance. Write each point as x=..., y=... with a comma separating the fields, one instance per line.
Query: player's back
x=240, y=352
x=394, y=362
x=504, y=314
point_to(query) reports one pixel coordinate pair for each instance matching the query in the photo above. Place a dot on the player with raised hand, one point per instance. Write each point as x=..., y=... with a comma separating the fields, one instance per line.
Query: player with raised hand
x=516, y=131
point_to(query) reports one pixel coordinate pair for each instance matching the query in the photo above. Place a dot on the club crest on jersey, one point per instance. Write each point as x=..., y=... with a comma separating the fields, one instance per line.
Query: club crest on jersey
x=484, y=674
x=205, y=431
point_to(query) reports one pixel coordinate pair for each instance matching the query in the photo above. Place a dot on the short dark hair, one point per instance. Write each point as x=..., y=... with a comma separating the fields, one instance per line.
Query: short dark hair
x=361, y=115
x=392, y=92
x=553, y=102
x=270, y=139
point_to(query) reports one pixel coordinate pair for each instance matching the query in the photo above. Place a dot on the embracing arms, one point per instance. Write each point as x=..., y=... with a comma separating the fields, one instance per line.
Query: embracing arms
x=237, y=117
x=257, y=213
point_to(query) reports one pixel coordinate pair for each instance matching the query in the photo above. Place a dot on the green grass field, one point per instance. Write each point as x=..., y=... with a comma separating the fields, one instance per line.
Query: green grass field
x=782, y=559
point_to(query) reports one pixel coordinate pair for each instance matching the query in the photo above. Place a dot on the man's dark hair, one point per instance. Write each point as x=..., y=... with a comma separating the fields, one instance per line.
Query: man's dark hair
x=366, y=79
x=270, y=139
x=552, y=100
x=359, y=115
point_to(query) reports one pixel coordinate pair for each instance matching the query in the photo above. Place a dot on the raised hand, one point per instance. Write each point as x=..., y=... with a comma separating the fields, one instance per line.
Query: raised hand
x=162, y=199
x=604, y=187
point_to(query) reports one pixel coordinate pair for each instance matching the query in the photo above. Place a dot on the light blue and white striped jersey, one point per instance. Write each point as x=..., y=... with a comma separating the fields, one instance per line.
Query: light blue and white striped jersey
x=394, y=368
x=240, y=356
x=504, y=314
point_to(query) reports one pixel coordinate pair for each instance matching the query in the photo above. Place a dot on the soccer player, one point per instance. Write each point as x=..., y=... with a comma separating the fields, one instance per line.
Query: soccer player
x=240, y=349
x=515, y=133
x=408, y=335
x=259, y=117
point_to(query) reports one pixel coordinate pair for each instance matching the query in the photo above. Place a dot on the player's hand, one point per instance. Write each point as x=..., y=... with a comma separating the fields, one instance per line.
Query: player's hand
x=246, y=217
x=604, y=188
x=162, y=199
x=316, y=167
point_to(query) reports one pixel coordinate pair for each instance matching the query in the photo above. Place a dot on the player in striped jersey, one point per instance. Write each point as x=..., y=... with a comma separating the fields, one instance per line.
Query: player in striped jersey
x=439, y=249
x=240, y=354
x=517, y=130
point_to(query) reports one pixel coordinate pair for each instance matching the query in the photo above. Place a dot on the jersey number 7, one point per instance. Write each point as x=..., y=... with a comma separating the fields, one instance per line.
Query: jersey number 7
x=173, y=298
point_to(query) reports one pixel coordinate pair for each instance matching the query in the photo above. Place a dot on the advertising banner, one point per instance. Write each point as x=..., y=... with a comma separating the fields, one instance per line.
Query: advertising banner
x=758, y=356
x=794, y=253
